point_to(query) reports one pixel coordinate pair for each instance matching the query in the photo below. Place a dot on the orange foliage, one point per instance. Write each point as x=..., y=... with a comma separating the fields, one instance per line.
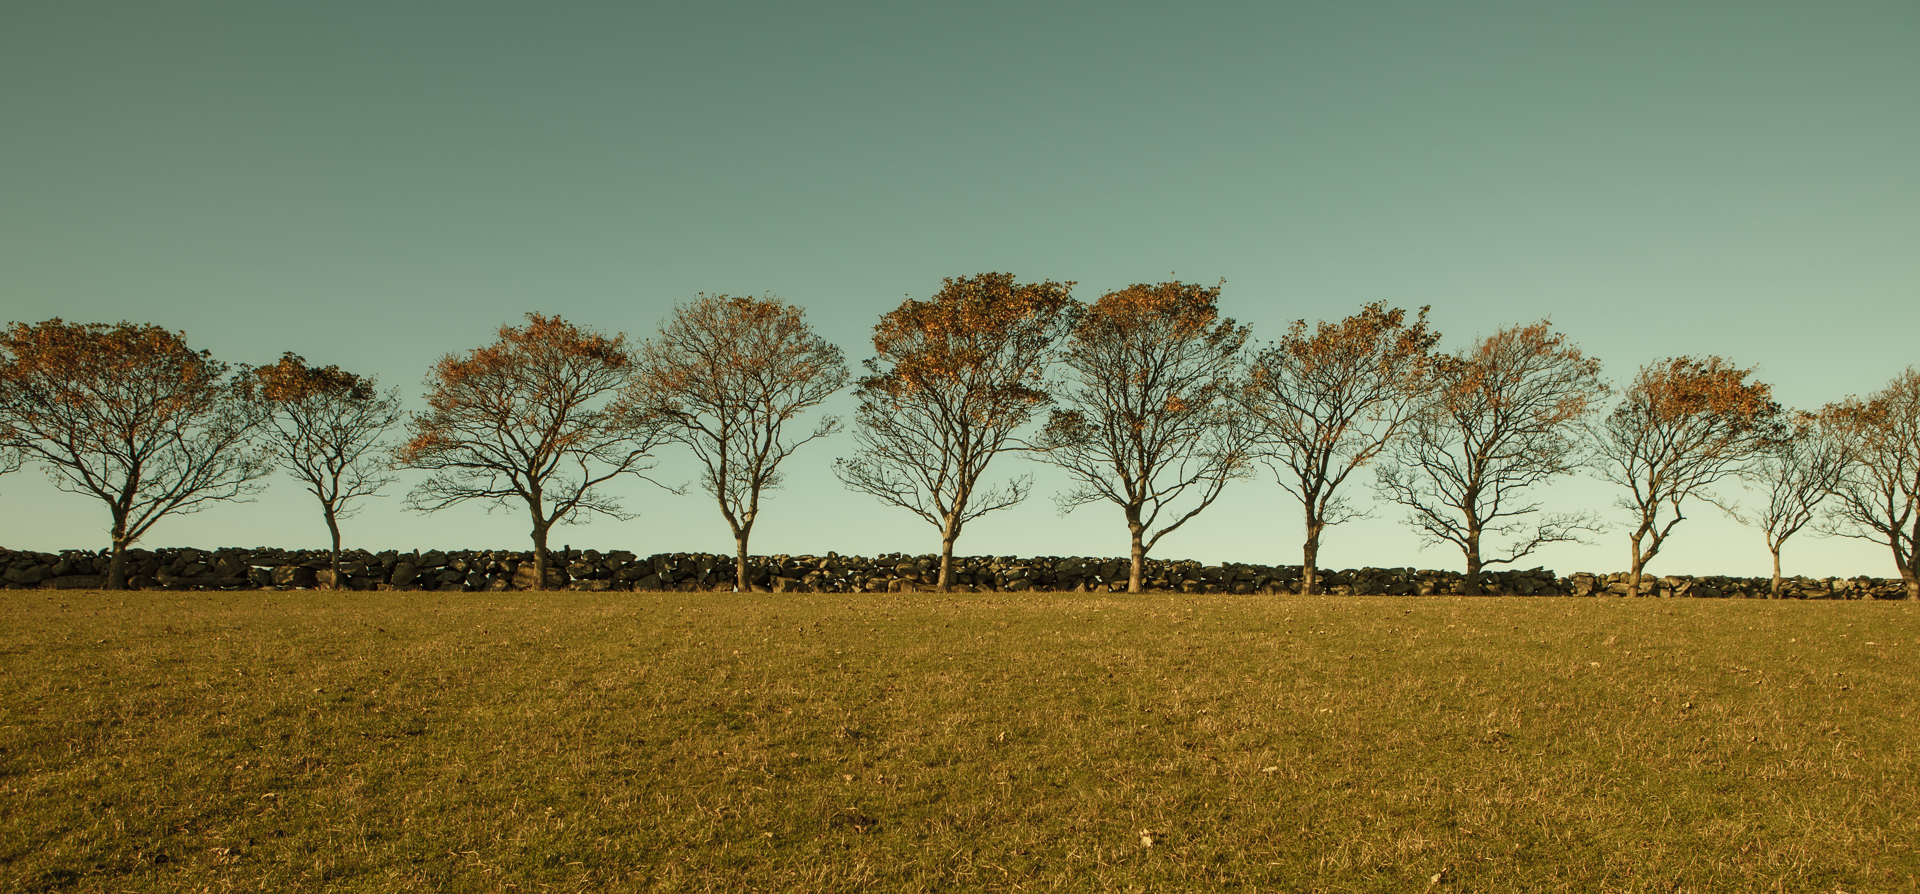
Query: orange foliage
x=538, y=378
x=325, y=425
x=142, y=374
x=1154, y=416
x=1329, y=401
x=1504, y=416
x=1710, y=396
x=128, y=414
x=972, y=325
x=1171, y=311
x=532, y=418
x=1879, y=493
x=955, y=376
x=724, y=376
x=723, y=355
x=1684, y=424
x=549, y=365
x=292, y=380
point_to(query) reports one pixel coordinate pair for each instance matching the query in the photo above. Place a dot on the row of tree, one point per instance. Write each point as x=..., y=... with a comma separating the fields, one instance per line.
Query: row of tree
x=1147, y=398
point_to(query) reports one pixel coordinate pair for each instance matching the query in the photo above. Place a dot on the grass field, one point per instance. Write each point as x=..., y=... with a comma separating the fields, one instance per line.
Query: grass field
x=694, y=742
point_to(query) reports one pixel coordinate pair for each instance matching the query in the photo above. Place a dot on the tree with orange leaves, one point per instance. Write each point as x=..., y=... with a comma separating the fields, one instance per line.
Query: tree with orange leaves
x=130, y=415
x=1328, y=402
x=536, y=418
x=724, y=376
x=953, y=379
x=1878, y=497
x=1152, y=422
x=1501, y=417
x=1685, y=424
x=325, y=426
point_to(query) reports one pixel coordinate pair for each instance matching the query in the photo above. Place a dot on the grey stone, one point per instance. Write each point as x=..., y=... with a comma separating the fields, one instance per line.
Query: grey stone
x=293, y=576
x=31, y=574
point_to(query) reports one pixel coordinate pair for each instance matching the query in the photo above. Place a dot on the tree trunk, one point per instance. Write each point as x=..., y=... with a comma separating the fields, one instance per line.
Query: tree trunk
x=1136, y=571
x=740, y=582
x=1470, y=585
x=947, y=538
x=539, y=555
x=1907, y=573
x=742, y=533
x=333, y=527
x=1906, y=559
x=1310, y=559
x=949, y=533
x=1775, y=548
x=1633, y=573
x=117, y=566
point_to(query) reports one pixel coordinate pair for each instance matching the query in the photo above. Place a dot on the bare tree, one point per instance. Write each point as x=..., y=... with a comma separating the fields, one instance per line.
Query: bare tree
x=1328, y=402
x=130, y=415
x=1685, y=424
x=1878, y=498
x=953, y=379
x=536, y=419
x=1796, y=472
x=1154, y=414
x=325, y=426
x=725, y=376
x=1502, y=417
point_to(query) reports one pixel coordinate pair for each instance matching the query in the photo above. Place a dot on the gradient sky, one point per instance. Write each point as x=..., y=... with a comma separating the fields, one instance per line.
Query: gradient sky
x=376, y=184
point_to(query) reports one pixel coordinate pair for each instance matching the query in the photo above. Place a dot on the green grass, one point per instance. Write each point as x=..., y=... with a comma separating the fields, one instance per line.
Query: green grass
x=696, y=742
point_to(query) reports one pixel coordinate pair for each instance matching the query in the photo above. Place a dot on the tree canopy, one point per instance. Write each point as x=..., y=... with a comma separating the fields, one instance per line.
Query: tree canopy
x=1684, y=424
x=539, y=418
x=1877, y=497
x=130, y=415
x=1498, y=419
x=1327, y=402
x=724, y=376
x=952, y=380
x=325, y=427
x=1152, y=421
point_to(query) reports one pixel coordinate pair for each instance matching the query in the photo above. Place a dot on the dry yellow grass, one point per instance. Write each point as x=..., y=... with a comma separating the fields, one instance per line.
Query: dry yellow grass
x=694, y=742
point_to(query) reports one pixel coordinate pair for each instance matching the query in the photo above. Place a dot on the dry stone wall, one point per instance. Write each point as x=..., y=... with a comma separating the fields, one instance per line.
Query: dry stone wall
x=497, y=570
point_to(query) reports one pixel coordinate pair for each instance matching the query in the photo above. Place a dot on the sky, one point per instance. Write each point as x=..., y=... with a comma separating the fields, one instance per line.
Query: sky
x=375, y=185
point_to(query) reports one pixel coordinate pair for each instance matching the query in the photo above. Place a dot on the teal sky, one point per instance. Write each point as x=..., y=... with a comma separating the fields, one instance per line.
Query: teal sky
x=376, y=184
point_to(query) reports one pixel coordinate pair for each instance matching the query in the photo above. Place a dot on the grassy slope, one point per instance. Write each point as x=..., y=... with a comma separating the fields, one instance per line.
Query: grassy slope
x=380, y=742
